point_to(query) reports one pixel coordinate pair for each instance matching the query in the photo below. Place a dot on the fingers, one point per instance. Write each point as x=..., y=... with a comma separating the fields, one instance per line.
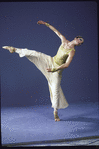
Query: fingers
x=39, y=22
x=49, y=69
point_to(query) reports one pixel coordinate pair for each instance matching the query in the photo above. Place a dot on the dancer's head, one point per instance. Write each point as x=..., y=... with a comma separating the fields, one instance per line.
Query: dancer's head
x=78, y=40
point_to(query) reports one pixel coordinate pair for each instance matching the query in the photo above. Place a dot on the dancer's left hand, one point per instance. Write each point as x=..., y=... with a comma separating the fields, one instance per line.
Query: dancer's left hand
x=49, y=70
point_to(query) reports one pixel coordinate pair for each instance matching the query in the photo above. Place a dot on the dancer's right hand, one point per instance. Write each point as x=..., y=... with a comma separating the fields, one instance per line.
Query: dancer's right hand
x=49, y=69
x=41, y=22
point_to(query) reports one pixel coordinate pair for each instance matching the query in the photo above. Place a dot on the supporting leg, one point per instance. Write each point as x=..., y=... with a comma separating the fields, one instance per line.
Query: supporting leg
x=56, y=115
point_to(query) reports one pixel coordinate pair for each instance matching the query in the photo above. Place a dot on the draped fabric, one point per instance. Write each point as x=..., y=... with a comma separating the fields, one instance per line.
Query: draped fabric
x=42, y=62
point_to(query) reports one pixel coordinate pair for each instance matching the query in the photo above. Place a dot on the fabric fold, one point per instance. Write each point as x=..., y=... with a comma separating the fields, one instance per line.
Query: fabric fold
x=42, y=62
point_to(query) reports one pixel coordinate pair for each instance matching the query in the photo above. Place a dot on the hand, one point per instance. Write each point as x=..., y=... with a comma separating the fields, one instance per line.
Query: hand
x=49, y=70
x=41, y=22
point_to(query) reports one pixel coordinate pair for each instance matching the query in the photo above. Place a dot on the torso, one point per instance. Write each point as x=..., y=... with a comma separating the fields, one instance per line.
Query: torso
x=63, y=53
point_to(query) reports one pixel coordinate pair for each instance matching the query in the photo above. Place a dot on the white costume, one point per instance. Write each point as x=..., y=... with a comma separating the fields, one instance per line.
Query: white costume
x=42, y=62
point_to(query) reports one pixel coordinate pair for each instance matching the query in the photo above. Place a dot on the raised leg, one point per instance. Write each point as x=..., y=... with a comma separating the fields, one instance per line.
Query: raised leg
x=11, y=49
x=42, y=61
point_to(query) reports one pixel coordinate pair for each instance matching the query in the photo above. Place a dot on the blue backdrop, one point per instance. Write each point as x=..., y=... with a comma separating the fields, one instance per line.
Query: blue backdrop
x=22, y=84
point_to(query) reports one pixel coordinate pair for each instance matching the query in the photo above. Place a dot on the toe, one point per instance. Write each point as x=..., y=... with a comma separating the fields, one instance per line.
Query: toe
x=4, y=47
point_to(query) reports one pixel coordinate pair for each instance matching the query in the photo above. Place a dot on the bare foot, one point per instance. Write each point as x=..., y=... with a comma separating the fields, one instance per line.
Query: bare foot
x=57, y=119
x=56, y=116
x=11, y=49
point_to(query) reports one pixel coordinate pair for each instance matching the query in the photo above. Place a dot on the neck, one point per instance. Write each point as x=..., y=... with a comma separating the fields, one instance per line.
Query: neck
x=72, y=44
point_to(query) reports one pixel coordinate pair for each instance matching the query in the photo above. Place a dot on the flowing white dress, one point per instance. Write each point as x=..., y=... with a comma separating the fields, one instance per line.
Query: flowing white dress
x=42, y=62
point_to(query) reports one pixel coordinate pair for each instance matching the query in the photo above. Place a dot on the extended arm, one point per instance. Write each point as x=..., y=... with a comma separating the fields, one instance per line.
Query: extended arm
x=63, y=39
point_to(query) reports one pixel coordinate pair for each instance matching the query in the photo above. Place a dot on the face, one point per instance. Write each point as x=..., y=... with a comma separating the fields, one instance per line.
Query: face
x=79, y=41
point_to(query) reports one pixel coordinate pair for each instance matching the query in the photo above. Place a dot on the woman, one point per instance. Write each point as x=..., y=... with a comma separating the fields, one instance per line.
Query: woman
x=52, y=67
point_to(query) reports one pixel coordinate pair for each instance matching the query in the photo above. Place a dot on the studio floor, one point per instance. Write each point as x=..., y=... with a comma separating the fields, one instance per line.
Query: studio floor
x=35, y=125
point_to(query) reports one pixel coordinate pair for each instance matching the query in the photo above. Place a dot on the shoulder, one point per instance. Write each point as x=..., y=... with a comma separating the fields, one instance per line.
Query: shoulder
x=72, y=53
x=64, y=40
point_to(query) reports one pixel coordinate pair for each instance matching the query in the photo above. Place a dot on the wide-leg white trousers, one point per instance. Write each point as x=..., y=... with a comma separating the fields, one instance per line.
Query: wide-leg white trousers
x=42, y=62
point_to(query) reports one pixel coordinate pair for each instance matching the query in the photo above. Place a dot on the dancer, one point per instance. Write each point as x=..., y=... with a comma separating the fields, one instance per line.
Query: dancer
x=52, y=67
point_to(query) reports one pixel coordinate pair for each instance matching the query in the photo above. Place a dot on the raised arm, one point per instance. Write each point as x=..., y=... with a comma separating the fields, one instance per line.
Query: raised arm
x=63, y=39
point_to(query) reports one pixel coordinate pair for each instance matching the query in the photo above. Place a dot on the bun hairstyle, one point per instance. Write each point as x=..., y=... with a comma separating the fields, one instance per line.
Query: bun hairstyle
x=79, y=37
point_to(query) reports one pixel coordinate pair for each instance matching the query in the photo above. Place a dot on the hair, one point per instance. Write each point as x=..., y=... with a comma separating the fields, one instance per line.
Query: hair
x=79, y=37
